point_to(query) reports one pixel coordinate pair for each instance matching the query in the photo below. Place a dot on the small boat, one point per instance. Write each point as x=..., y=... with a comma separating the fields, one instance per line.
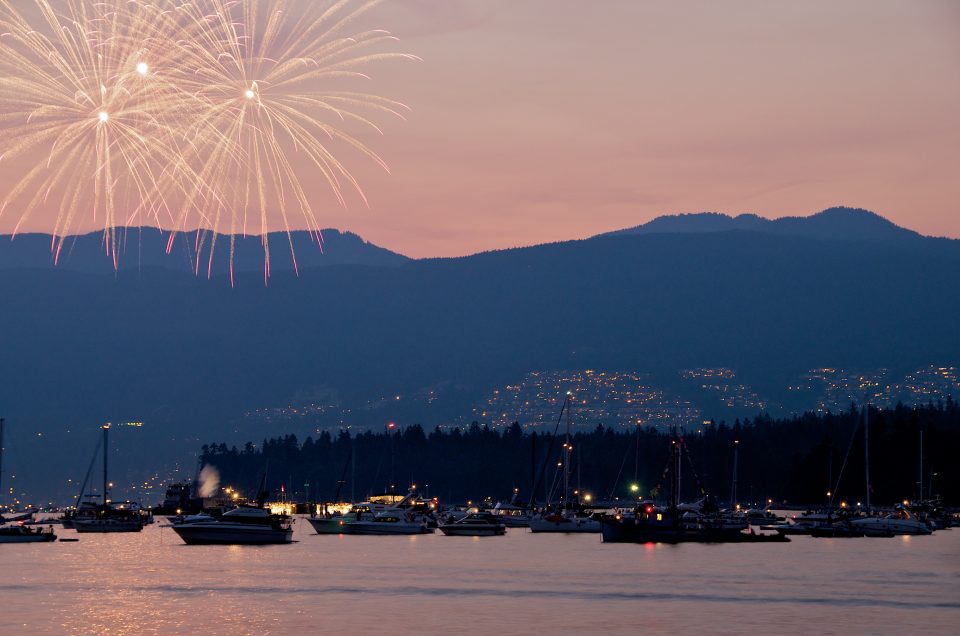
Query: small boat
x=332, y=524
x=564, y=522
x=478, y=524
x=21, y=534
x=763, y=517
x=391, y=522
x=512, y=515
x=839, y=530
x=244, y=525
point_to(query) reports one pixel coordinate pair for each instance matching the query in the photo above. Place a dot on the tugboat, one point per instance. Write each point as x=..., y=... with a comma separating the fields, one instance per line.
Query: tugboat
x=477, y=524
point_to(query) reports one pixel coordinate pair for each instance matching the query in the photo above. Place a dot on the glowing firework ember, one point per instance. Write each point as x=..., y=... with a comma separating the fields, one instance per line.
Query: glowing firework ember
x=201, y=115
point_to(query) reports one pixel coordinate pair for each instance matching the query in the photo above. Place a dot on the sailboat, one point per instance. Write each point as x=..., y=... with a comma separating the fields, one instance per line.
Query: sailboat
x=566, y=518
x=109, y=517
x=898, y=522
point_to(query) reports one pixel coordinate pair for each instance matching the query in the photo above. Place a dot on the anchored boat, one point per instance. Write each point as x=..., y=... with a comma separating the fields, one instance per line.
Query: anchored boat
x=477, y=524
x=22, y=534
x=245, y=525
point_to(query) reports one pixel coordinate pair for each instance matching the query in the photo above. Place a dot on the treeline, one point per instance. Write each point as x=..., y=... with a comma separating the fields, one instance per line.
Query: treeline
x=795, y=460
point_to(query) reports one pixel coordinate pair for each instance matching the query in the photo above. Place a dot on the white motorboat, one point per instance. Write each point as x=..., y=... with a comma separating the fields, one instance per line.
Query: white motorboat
x=333, y=524
x=513, y=516
x=334, y=520
x=761, y=517
x=21, y=534
x=391, y=522
x=478, y=524
x=245, y=525
x=567, y=522
x=902, y=523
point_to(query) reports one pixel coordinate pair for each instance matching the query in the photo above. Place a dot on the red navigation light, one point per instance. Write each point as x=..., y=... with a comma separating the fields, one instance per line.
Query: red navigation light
x=391, y=425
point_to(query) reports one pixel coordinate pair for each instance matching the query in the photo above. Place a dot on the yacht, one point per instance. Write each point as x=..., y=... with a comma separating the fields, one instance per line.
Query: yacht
x=901, y=522
x=391, y=522
x=478, y=524
x=340, y=518
x=244, y=525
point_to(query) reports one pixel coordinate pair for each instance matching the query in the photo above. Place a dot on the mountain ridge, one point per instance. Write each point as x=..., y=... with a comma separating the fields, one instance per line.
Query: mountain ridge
x=835, y=223
x=142, y=247
x=340, y=247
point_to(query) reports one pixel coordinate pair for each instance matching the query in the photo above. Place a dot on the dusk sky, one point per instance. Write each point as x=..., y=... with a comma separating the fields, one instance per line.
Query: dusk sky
x=552, y=119
x=542, y=120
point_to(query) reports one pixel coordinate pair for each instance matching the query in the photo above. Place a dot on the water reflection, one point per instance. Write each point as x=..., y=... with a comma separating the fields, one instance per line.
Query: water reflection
x=151, y=583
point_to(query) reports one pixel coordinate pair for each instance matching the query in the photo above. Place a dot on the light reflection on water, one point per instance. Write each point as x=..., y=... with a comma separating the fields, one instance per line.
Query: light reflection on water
x=152, y=583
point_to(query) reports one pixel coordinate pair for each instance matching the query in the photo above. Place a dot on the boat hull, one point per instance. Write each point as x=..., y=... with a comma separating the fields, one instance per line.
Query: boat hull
x=232, y=534
x=515, y=522
x=33, y=537
x=475, y=531
x=564, y=525
x=106, y=526
x=880, y=525
x=381, y=528
x=331, y=526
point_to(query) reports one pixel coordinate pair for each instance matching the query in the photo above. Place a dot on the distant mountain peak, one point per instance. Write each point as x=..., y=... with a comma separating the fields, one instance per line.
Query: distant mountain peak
x=836, y=223
x=144, y=247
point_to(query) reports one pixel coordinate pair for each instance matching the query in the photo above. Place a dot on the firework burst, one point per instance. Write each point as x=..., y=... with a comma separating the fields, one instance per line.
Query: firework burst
x=204, y=115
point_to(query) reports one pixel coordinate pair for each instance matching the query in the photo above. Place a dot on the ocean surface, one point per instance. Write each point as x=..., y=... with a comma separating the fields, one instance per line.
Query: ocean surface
x=521, y=583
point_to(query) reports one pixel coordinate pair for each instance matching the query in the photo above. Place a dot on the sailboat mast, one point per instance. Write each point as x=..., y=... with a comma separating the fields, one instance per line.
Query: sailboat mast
x=866, y=447
x=566, y=460
x=2, y=421
x=106, y=455
x=733, y=488
x=921, y=464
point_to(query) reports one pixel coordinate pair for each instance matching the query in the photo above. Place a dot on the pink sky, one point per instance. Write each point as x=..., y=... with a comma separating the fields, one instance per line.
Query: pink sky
x=542, y=120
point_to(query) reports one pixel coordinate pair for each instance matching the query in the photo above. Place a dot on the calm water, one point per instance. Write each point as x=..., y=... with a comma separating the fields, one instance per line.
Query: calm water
x=152, y=583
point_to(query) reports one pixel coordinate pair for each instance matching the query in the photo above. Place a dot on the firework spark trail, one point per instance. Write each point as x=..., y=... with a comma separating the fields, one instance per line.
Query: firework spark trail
x=186, y=114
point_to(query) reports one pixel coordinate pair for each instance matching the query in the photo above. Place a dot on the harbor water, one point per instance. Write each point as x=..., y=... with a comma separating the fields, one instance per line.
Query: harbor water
x=522, y=583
